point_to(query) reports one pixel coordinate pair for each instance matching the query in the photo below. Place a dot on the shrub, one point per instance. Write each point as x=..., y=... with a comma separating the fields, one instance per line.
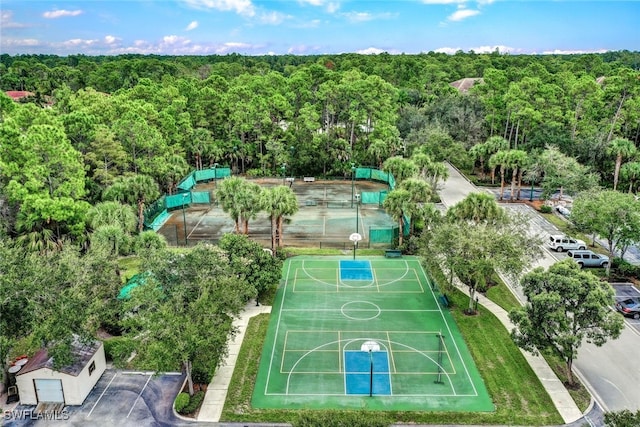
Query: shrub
x=194, y=403
x=200, y=375
x=546, y=209
x=624, y=268
x=182, y=401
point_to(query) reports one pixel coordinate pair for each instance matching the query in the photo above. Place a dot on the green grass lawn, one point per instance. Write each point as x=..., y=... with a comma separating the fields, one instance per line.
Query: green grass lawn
x=516, y=391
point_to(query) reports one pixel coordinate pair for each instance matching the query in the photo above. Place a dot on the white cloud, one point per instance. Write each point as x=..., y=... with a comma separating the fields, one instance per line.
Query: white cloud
x=370, y=51
x=7, y=42
x=358, y=16
x=6, y=20
x=175, y=40
x=572, y=52
x=53, y=14
x=365, y=16
x=110, y=39
x=273, y=18
x=241, y=7
x=332, y=7
x=192, y=26
x=461, y=14
x=478, y=49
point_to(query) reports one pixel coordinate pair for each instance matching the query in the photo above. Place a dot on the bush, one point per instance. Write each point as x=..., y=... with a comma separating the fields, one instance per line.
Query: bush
x=624, y=268
x=546, y=209
x=194, y=403
x=182, y=401
x=201, y=375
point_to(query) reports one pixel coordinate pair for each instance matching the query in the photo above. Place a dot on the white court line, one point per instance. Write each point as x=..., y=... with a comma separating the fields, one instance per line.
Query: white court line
x=450, y=334
x=275, y=336
x=139, y=394
x=103, y=392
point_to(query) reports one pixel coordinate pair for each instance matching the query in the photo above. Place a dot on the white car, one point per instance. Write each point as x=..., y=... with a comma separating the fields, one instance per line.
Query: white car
x=561, y=243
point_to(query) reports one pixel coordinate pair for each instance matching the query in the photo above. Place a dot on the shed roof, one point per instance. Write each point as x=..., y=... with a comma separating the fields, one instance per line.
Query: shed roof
x=82, y=353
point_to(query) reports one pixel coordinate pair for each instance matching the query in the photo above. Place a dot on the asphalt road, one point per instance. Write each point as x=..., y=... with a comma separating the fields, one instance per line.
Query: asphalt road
x=119, y=399
x=610, y=372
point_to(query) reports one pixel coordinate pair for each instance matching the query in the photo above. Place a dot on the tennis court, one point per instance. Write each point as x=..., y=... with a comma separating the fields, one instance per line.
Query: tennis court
x=365, y=333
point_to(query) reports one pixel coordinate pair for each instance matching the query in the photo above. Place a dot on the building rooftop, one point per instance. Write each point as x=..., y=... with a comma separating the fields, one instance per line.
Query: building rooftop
x=82, y=353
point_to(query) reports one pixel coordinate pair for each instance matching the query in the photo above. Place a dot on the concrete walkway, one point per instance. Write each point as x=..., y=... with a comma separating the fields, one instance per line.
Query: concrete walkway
x=214, y=399
x=456, y=188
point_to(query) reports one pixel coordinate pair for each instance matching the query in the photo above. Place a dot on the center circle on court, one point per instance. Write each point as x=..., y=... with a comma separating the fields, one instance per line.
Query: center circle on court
x=360, y=310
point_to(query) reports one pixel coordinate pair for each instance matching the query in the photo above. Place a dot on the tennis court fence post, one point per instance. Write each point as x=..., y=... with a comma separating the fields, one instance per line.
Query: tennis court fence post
x=440, y=350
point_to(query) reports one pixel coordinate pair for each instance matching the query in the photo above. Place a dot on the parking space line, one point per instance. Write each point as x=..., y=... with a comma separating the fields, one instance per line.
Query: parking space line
x=102, y=394
x=139, y=394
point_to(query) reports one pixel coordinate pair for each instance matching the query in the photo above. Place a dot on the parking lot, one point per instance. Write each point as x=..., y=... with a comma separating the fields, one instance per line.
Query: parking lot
x=623, y=291
x=119, y=399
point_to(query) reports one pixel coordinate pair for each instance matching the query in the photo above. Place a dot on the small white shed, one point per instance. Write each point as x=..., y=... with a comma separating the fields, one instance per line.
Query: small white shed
x=38, y=382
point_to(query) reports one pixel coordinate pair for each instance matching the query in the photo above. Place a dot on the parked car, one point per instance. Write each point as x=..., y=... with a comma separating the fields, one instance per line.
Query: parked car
x=563, y=210
x=629, y=307
x=562, y=243
x=588, y=258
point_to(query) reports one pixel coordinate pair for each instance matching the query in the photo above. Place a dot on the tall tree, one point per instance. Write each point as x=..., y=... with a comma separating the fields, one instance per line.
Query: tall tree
x=278, y=202
x=565, y=306
x=241, y=200
x=135, y=190
x=611, y=215
x=622, y=148
x=398, y=204
x=185, y=309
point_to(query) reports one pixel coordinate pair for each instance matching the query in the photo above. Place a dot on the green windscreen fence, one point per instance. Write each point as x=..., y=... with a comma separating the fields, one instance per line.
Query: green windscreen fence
x=373, y=197
x=156, y=213
x=203, y=175
x=376, y=175
x=383, y=234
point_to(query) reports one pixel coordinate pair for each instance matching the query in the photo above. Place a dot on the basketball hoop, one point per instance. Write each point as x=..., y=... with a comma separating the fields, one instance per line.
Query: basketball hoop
x=355, y=238
x=370, y=346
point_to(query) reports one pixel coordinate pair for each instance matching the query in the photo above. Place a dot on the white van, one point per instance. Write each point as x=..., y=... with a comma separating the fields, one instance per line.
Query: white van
x=564, y=243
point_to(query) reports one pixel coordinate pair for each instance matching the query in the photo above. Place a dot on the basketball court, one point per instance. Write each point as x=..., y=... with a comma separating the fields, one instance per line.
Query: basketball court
x=364, y=333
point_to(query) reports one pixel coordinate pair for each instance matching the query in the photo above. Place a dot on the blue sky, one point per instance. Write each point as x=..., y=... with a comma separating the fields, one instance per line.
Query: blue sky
x=257, y=27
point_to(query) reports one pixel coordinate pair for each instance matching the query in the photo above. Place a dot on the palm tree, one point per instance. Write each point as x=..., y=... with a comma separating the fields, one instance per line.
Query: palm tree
x=278, y=202
x=477, y=208
x=133, y=190
x=420, y=193
x=112, y=213
x=631, y=172
x=396, y=204
x=492, y=146
x=501, y=159
x=226, y=194
x=516, y=159
x=248, y=202
x=622, y=148
x=400, y=168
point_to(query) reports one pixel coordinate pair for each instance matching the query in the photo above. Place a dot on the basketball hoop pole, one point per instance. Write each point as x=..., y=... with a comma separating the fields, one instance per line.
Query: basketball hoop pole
x=370, y=374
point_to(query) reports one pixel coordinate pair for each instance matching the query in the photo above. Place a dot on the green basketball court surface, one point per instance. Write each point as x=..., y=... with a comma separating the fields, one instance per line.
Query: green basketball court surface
x=366, y=333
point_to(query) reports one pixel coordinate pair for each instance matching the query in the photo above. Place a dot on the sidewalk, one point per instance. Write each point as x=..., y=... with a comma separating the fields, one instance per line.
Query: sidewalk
x=557, y=391
x=214, y=399
x=455, y=189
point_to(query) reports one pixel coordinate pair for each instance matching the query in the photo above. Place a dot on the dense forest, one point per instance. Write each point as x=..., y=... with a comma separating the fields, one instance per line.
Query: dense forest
x=86, y=143
x=98, y=128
